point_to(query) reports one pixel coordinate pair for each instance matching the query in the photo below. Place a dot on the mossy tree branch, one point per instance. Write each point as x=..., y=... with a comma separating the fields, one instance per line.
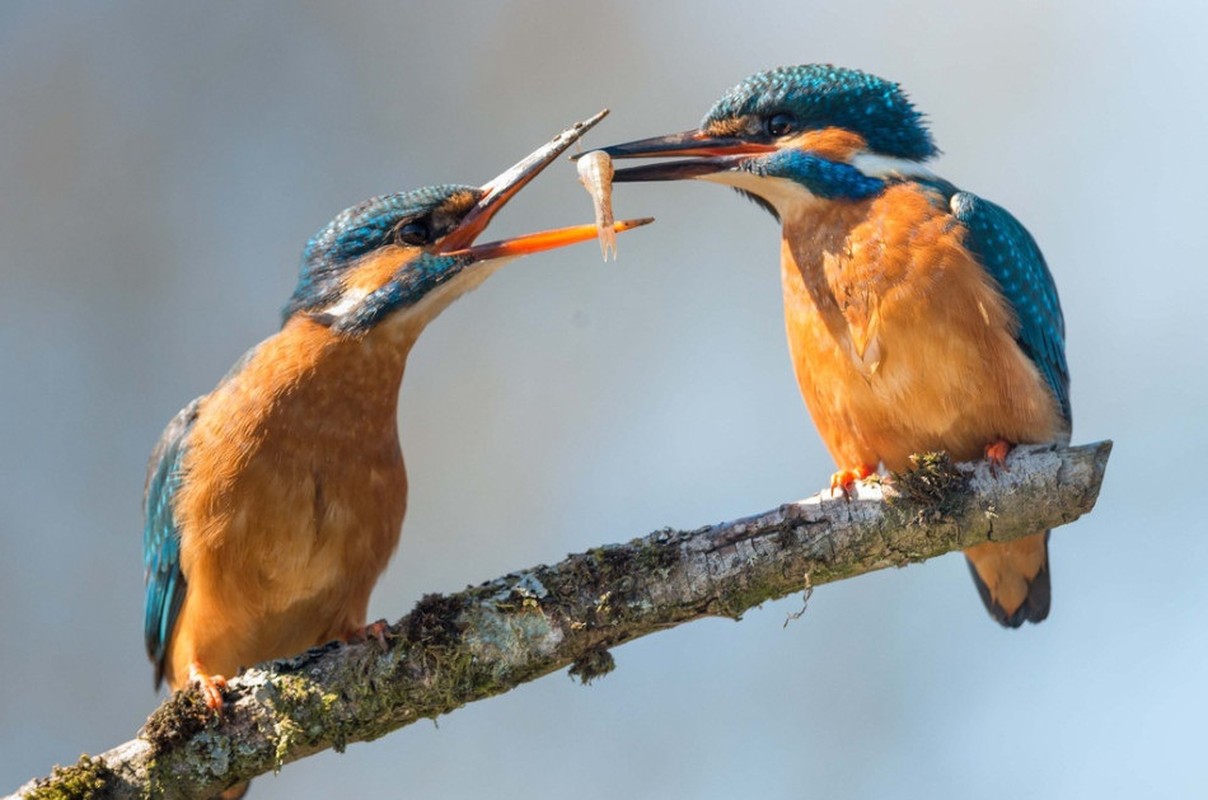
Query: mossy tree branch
x=452, y=650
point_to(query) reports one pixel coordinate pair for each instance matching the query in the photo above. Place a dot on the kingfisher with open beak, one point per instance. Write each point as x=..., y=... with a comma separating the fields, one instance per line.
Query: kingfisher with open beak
x=274, y=502
x=920, y=317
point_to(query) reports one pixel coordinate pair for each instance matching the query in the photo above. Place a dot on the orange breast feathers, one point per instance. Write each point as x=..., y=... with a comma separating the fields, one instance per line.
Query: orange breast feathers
x=900, y=340
x=292, y=501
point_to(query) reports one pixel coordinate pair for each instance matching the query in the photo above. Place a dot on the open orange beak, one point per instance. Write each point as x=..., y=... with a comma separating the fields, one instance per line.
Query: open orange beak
x=498, y=191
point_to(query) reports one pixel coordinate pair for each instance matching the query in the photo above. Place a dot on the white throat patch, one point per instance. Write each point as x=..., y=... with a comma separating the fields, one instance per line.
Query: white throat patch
x=785, y=195
x=416, y=316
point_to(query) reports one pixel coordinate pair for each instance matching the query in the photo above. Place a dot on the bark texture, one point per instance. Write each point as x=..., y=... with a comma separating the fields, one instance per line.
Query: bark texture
x=455, y=649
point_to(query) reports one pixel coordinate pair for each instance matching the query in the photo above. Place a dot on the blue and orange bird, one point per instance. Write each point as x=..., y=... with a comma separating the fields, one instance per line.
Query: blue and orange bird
x=919, y=317
x=274, y=502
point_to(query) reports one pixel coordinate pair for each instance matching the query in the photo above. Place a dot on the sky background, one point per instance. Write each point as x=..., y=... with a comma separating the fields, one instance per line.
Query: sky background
x=162, y=168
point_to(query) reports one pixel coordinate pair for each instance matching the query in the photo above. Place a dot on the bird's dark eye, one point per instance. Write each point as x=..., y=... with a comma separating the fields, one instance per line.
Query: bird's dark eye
x=415, y=233
x=780, y=124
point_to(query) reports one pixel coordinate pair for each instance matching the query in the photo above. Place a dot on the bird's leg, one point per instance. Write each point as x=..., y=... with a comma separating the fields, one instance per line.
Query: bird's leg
x=996, y=454
x=378, y=631
x=374, y=630
x=211, y=686
x=845, y=479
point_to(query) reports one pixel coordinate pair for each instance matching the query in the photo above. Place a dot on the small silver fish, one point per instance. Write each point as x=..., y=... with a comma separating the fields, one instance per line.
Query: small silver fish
x=595, y=173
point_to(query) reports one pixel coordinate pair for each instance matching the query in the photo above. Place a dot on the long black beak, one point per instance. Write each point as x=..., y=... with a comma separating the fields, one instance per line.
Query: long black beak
x=499, y=190
x=713, y=154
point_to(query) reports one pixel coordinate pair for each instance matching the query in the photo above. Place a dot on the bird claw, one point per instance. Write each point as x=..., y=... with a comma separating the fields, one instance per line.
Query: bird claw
x=845, y=479
x=378, y=631
x=375, y=630
x=996, y=454
x=210, y=686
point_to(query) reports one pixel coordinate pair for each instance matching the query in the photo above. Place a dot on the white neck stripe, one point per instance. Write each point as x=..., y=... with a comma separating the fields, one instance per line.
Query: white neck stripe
x=878, y=166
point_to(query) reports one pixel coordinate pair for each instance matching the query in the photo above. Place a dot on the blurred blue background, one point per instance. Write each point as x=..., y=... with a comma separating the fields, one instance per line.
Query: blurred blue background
x=162, y=168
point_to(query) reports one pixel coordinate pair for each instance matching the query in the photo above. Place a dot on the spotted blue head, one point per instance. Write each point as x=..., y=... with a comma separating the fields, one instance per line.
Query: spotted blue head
x=381, y=255
x=775, y=105
x=794, y=134
x=415, y=250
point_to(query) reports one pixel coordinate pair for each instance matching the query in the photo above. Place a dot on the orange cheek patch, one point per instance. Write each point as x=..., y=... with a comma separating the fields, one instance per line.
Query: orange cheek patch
x=373, y=270
x=833, y=144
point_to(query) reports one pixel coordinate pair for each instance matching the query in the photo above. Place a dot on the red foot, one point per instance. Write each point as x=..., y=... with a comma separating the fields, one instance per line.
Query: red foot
x=211, y=686
x=845, y=479
x=996, y=454
x=374, y=630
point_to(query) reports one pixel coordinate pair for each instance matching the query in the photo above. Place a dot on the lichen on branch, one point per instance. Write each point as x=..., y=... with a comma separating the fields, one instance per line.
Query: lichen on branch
x=455, y=649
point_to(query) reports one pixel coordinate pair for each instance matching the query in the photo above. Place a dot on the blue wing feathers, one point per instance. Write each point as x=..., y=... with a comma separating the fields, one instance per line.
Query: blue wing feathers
x=161, y=537
x=1010, y=254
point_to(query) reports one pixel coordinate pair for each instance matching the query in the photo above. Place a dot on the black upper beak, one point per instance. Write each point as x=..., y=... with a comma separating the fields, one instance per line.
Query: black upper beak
x=712, y=154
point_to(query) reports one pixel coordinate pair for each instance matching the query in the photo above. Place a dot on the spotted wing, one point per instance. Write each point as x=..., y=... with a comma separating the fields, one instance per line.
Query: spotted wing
x=161, y=538
x=1006, y=249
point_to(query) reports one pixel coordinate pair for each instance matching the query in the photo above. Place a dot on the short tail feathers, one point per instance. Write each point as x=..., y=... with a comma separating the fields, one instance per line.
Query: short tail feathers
x=1013, y=579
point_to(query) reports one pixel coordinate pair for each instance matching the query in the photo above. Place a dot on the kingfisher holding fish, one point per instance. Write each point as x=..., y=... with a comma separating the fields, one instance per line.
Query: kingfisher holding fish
x=274, y=502
x=919, y=317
